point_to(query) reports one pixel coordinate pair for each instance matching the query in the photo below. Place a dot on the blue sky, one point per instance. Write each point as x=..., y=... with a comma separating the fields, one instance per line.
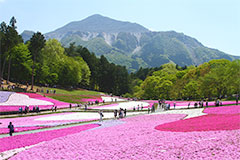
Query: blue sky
x=215, y=23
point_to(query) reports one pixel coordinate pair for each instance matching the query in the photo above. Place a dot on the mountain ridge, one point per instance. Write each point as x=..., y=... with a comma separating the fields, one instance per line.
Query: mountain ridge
x=133, y=45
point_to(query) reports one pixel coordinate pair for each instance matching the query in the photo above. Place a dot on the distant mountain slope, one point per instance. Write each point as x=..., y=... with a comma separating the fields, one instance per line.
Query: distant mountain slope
x=133, y=45
x=26, y=35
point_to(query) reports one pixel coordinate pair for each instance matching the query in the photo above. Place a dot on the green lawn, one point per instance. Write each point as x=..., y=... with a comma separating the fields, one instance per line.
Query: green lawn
x=71, y=96
x=72, y=92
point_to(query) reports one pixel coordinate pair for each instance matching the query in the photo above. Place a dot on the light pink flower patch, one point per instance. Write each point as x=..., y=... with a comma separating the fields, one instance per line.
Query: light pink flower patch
x=18, y=141
x=32, y=122
x=203, y=123
x=59, y=104
x=223, y=110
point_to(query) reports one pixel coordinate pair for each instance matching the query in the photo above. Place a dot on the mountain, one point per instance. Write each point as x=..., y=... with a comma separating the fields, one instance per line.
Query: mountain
x=96, y=24
x=26, y=35
x=133, y=45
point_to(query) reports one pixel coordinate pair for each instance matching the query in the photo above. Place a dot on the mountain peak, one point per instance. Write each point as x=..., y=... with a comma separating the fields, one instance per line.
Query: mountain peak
x=98, y=23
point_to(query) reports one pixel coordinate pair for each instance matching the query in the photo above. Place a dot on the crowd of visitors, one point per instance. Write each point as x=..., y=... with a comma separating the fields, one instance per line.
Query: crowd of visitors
x=27, y=109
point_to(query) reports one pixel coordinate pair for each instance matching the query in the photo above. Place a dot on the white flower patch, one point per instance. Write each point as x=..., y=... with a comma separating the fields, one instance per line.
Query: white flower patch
x=190, y=112
x=81, y=116
x=112, y=99
x=128, y=105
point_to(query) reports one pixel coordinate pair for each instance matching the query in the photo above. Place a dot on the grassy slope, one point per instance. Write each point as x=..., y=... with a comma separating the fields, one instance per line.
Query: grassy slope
x=71, y=96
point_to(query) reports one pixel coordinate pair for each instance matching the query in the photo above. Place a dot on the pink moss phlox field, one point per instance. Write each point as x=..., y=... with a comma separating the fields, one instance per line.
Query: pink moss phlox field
x=185, y=103
x=40, y=97
x=31, y=95
x=223, y=110
x=20, y=129
x=18, y=141
x=203, y=123
x=92, y=100
x=138, y=140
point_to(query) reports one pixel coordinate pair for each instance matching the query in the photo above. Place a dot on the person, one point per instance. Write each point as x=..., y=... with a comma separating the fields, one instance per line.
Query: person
x=134, y=108
x=148, y=110
x=11, y=128
x=55, y=108
x=174, y=105
x=141, y=106
x=206, y=103
x=115, y=114
x=195, y=104
x=34, y=109
x=189, y=105
x=37, y=109
x=101, y=116
x=52, y=108
x=125, y=112
x=85, y=107
x=20, y=110
x=70, y=105
x=120, y=113
x=25, y=109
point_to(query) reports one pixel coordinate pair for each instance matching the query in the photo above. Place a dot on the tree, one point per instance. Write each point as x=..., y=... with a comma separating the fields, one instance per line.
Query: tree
x=9, y=39
x=233, y=74
x=191, y=90
x=21, y=63
x=37, y=42
x=12, y=40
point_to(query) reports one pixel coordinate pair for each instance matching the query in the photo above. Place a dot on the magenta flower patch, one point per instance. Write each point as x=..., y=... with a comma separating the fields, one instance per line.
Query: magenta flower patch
x=223, y=110
x=203, y=123
x=18, y=141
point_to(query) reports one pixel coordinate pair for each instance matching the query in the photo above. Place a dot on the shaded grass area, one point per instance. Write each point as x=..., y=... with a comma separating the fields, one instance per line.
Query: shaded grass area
x=72, y=92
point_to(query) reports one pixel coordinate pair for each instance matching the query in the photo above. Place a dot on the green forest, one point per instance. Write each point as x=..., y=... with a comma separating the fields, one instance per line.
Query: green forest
x=40, y=62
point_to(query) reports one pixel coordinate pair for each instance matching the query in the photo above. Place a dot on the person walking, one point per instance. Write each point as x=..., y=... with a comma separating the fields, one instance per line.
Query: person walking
x=11, y=128
x=125, y=112
x=115, y=114
x=101, y=116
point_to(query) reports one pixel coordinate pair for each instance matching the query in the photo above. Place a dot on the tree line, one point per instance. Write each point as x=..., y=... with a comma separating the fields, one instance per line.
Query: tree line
x=213, y=79
x=40, y=61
